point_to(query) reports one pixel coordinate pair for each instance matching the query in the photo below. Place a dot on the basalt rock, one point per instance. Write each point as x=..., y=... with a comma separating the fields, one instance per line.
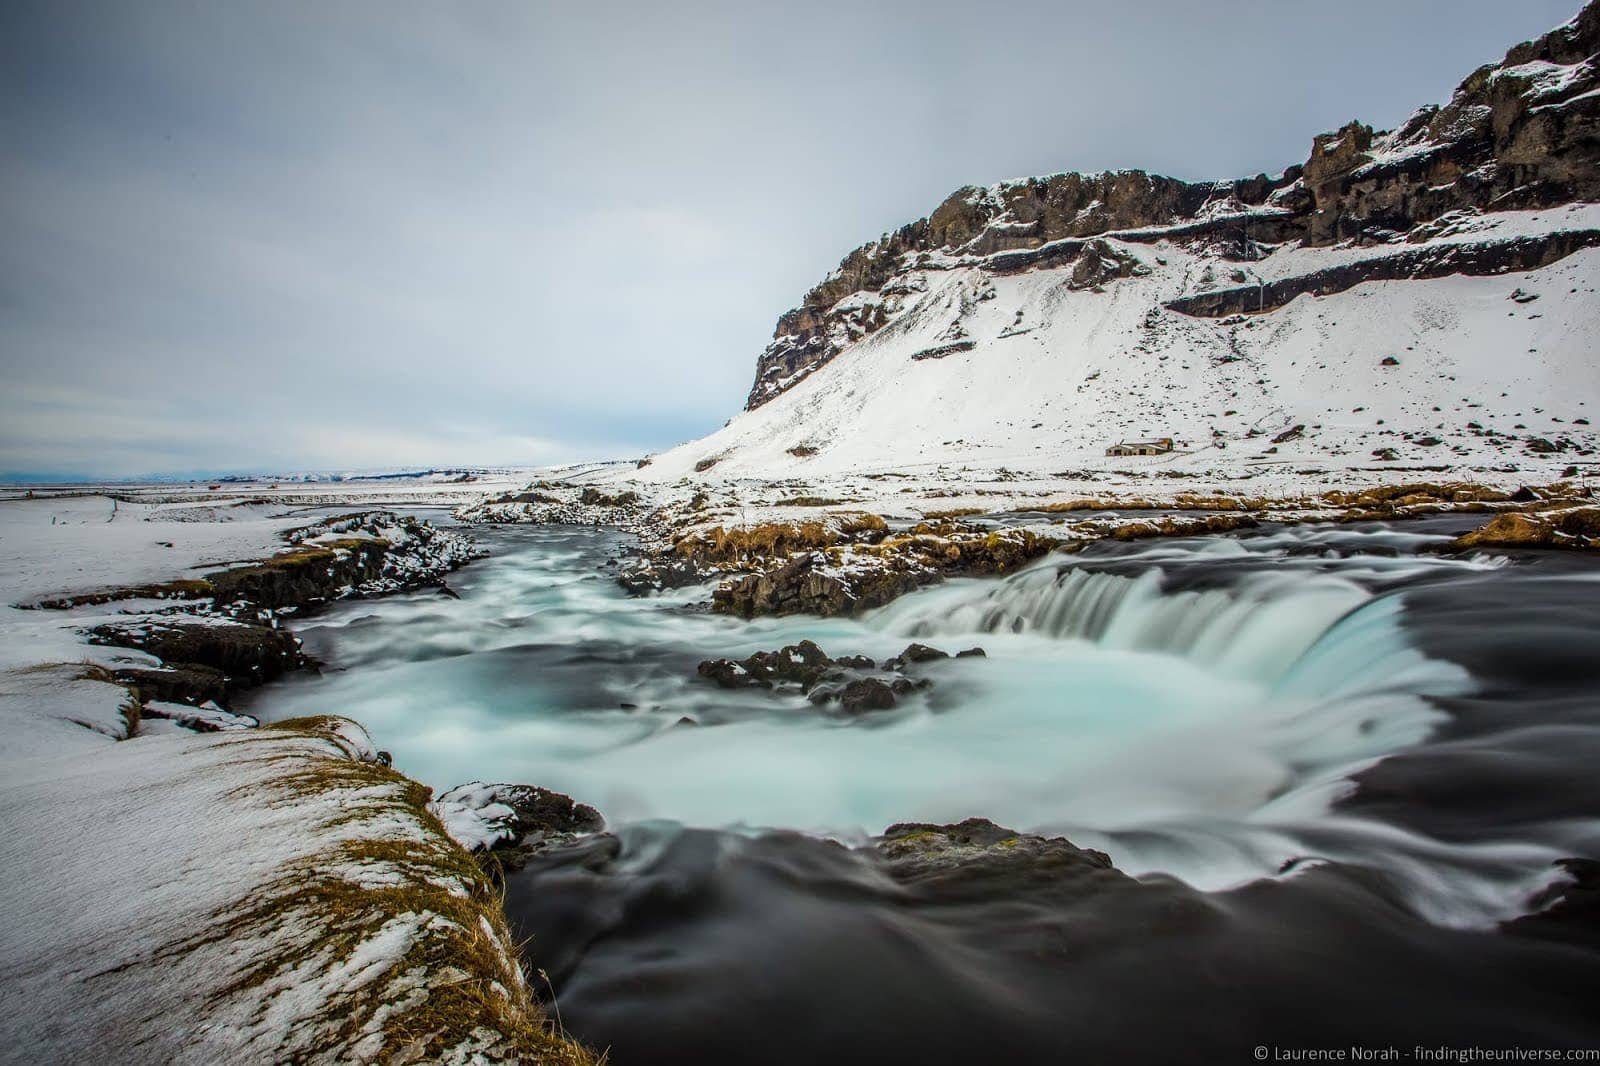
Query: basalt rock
x=1098, y=263
x=593, y=497
x=650, y=573
x=362, y=554
x=800, y=664
x=189, y=683
x=867, y=694
x=303, y=576
x=1479, y=258
x=510, y=823
x=915, y=653
x=244, y=655
x=977, y=859
x=872, y=574
x=851, y=681
x=727, y=673
x=799, y=585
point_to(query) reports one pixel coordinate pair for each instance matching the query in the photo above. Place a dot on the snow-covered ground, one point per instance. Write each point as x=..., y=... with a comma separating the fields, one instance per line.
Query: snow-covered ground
x=1055, y=375
x=241, y=895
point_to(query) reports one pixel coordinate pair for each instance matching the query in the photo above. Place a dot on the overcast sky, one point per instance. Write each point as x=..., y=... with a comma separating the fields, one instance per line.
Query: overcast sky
x=282, y=236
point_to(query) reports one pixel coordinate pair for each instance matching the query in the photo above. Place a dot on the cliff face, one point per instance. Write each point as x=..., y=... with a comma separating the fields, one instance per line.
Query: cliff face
x=1523, y=133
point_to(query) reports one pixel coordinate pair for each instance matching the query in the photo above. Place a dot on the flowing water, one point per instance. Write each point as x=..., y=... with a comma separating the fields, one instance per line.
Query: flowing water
x=1335, y=759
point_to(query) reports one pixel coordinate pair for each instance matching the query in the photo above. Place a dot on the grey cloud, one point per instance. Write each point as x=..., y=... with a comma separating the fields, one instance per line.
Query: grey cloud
x=255, y=236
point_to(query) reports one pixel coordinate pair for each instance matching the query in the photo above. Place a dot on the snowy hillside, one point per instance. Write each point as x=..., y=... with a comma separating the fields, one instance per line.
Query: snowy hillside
x=1425, y=297
x=1023, y=370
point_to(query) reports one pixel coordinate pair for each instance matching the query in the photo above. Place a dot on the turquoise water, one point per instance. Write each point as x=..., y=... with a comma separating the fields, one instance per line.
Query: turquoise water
x=1196, y=707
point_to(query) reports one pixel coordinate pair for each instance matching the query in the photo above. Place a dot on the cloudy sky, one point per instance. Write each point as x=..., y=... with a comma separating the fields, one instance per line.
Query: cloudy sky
x=279, y=236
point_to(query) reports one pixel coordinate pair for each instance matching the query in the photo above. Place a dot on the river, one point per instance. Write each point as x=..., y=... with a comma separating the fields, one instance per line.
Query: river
x=1334, y=758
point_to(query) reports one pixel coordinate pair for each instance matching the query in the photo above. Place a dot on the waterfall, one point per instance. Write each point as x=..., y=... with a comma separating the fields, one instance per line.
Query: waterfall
x=1254, y=629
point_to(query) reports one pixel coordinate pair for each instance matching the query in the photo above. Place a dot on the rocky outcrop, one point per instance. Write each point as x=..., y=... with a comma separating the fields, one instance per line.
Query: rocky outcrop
x=1476, y=258
x=306, y=575
x=868, y=575
x=1577, y=527
x=262, y=895
x=510, y=823
x=854, y=682
x=805, y=584
x=364, y=554
x=977, y=859
x=879, y=279
x=1522, y=133
x=187, y=683
x=207, y=659
x=561, y=504
x=803, y=664
x=229, y=639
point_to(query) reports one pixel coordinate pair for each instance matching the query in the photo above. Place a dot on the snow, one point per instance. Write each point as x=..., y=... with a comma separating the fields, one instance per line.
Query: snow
x=135, y=852
x=56, y=545
x=132, y=851
x=1546, y=79
x=1096, y=367
x=206, y=718
x=474, y=816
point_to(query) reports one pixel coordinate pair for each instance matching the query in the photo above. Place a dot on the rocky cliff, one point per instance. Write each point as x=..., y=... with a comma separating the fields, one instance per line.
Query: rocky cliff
x=1520, y=134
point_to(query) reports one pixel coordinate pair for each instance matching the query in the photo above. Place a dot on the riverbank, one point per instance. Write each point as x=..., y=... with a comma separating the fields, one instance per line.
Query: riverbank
x=188, y=888
x=844, y=546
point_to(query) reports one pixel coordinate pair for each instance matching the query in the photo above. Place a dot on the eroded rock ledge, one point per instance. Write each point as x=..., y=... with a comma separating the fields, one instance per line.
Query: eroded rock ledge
x=1482, y=257
x=223, y=636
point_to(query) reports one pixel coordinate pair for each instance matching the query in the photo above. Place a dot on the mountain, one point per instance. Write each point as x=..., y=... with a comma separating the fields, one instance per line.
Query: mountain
x=1424, y=295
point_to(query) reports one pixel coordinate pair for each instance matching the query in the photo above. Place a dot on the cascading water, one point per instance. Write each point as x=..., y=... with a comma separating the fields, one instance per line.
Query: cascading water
x=1192, y=708
x=1255, y=629
x=1286, y=721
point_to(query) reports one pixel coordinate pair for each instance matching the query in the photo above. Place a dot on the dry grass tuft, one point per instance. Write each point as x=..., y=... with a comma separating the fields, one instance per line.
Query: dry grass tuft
x=724, y=544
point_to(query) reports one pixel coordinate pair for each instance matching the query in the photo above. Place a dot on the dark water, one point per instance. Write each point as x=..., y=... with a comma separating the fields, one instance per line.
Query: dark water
x=1335, y=762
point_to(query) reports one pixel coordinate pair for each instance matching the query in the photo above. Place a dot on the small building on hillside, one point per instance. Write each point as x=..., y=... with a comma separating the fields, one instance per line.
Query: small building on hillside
x=1151, y=446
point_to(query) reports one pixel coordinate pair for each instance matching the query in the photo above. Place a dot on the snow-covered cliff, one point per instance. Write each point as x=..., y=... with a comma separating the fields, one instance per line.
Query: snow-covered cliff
x=1423, y=295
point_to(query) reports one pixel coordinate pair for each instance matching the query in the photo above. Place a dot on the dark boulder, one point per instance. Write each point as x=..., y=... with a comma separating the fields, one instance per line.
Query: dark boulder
x=304, y=576
x=977, y=859
x=796, y=586
x=802, y=664
x=866, y=694
x=246, y=655
x=730, y=674
x=176, y=684
x=529, y=819
x=915, y=653
x=847, y=680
